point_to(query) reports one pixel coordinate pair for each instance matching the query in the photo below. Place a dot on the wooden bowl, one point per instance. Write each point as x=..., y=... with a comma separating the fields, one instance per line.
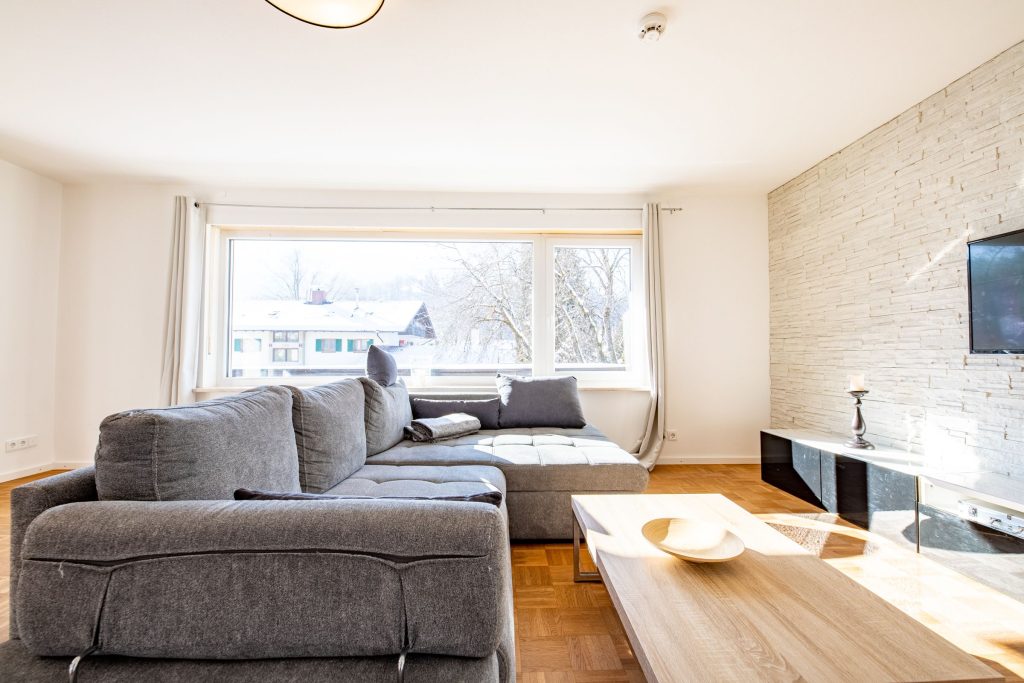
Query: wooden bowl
x=693, y=540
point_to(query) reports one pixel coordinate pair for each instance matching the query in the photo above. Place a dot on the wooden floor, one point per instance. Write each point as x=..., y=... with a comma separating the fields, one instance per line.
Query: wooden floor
x=569, y=633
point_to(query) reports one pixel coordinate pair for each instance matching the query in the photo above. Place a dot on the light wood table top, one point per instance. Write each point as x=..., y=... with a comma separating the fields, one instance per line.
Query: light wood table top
x=775, y=613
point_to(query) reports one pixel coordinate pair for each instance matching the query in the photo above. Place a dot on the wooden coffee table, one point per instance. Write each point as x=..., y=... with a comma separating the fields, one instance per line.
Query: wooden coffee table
x=777, y=612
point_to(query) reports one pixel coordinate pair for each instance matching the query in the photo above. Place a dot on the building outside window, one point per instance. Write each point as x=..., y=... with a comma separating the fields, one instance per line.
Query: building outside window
x=329, y=345
x=360, y=345
x=452, y=311
x=248, y=345
x=286, y=355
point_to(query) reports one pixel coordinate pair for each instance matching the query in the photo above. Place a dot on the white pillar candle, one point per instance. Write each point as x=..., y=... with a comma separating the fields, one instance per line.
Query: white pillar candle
x=856, y=383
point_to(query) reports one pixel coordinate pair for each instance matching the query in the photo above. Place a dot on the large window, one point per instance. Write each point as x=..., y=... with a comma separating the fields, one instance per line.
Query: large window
x=592, y=307
x=452, y=311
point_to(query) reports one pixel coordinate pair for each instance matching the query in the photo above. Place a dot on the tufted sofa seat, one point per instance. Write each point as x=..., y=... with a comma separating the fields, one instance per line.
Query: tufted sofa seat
x=542, y=468
x=422, y=481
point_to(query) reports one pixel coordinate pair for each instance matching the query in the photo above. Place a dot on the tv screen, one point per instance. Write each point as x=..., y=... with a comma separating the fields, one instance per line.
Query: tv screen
x=996, y=272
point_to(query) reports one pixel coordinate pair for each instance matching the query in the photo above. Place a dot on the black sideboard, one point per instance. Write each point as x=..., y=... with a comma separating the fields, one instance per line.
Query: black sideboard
x=893, y=494
x=872, y=496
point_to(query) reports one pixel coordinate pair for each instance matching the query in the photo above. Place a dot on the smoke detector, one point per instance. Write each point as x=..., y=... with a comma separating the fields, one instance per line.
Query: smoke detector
x=652, y=26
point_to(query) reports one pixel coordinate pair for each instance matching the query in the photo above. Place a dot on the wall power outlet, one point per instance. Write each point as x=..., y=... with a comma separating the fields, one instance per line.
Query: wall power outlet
x=672, y=434
x=21, y=443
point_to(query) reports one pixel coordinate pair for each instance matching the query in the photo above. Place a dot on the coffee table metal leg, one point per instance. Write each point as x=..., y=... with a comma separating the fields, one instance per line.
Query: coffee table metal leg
x=577, y=575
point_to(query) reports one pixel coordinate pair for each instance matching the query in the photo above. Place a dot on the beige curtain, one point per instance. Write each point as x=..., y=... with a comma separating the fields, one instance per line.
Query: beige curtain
x=179, y=376
x=650, y=445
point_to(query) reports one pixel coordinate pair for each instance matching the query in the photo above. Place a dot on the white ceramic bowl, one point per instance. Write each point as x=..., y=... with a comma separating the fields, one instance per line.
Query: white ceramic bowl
x=693, y=540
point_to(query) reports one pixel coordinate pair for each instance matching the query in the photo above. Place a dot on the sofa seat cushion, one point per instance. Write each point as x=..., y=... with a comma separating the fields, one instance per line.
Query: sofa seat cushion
x=532, y=459
x=389, y=481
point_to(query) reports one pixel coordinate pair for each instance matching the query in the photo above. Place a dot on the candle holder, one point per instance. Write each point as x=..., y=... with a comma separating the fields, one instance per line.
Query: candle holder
x=858, y=426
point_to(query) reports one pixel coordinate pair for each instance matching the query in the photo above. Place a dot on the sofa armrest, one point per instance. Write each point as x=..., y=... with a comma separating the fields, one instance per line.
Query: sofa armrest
x=258, y=579
x=30, y=500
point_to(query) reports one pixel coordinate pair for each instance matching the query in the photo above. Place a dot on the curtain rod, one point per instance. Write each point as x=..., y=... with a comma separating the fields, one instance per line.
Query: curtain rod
x=670, y=209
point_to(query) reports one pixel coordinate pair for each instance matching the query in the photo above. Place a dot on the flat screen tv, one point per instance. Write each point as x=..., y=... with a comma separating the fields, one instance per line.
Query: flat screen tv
x=995, y=273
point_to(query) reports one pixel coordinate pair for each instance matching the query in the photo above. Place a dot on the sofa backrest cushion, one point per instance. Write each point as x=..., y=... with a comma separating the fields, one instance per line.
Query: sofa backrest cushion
x=202, y=451
x=485, y=410
x=388, y=411
x=330, y=434
x=539, y=402
x=381, y=366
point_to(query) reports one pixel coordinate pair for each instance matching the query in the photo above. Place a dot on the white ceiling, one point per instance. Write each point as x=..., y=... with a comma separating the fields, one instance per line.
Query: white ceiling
x=467, y=95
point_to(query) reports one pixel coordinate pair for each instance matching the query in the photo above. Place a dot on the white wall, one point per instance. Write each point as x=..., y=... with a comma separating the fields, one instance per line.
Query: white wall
x=869, y=276
x=716, y=327
x=30, y=224
x=115, y=264
x=114, y=285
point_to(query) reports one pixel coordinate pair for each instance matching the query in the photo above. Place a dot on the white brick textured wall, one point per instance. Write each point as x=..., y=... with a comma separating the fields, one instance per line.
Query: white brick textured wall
x=868, y=270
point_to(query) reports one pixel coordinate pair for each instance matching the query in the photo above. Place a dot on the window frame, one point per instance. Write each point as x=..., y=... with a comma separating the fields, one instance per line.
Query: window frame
x=217, y=301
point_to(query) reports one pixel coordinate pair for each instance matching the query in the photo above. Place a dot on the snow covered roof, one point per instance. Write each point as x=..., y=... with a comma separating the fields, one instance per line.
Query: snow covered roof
x=338, y=316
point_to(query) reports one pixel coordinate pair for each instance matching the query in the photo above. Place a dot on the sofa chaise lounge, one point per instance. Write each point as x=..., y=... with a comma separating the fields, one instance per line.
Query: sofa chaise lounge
x=146, y=565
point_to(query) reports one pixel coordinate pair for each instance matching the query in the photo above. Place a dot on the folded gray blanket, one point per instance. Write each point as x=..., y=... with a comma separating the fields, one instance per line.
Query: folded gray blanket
x=438, y=428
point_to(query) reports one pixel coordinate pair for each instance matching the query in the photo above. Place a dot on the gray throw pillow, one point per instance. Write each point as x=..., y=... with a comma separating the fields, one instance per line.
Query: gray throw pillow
x=492, y=497
x=485, y=410
x=381, y=366
x=539, y=402
x=202, y=451
x=330, y=433
x=388, y=411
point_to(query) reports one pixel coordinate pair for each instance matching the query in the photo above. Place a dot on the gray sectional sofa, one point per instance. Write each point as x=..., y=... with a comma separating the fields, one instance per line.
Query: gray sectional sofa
x=147, y=565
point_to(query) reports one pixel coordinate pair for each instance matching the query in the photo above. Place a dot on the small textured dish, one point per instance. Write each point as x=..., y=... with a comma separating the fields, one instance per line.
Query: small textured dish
x=693, y=540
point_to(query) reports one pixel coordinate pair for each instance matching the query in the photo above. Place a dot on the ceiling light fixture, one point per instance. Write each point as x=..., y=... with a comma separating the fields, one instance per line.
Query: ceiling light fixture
x=652, y=26
x=330, y=13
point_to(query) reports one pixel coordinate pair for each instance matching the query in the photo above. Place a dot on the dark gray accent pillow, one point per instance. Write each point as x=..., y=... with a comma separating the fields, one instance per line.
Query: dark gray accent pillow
x=485, y=410
x=539, y=402
x=202, y=451
x=381, y=366
x=330, y=433
x=388, y=412
x=492, y=497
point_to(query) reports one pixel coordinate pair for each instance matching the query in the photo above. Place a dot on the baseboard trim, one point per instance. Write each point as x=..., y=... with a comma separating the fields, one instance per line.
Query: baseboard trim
x=672, y=459
x=24, y=472
x=69, y=464
x=36, y=469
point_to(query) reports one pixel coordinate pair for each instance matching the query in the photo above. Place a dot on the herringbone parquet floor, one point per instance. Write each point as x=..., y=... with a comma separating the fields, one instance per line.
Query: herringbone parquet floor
x=569, y=633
